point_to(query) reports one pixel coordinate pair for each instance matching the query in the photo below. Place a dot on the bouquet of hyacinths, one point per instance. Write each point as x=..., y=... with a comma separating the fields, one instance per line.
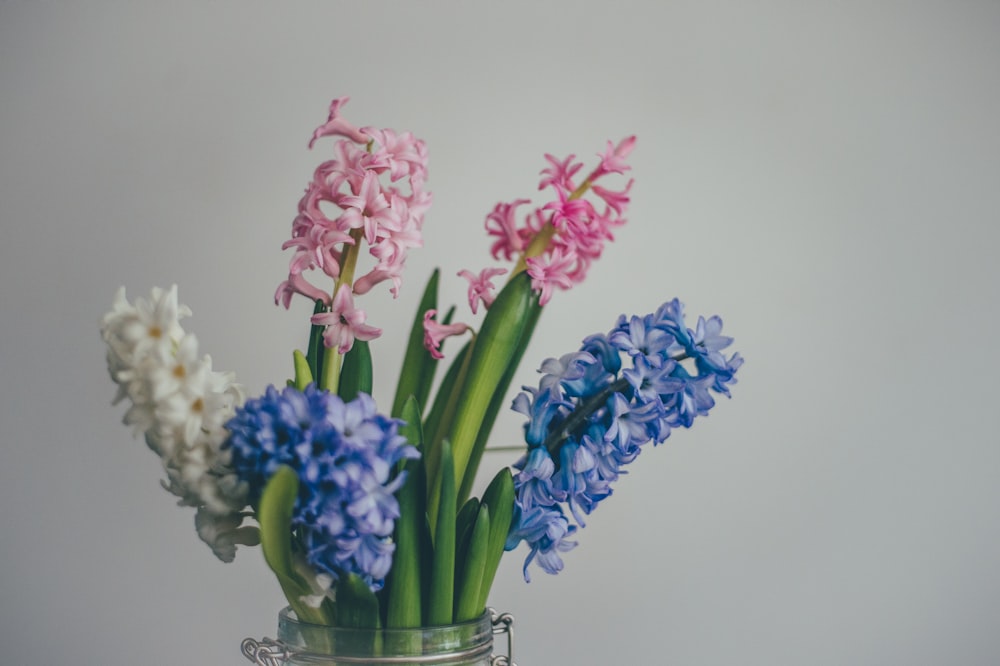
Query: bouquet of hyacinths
x=367, y=518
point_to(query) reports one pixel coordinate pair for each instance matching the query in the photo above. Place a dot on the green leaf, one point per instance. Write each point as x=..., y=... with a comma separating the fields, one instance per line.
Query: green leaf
x=316, y=349
x=357, y=606
x=495, y=349
x=499, y=497
x=438, y=422
x=404, y=582
x=442, y=590
x=417, y=373
x=426, y=571
x=303, y=375
x=500, y=399
x=442, y=411
x=467, y=606
x=464, y=523
x=274, y=514
x=356, y=372
x=444, y=401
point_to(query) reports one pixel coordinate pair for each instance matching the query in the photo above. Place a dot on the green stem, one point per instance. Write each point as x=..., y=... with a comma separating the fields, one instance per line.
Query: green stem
x=330, y=376
x=542, y=238
x=330, y=379
x=580, y=415
x=349, y=259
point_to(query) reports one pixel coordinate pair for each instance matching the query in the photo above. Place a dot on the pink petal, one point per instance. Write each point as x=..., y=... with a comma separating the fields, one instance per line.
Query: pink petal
x=297, y=284
x=435, y=333
x=337, y=126
x=481, y=286
x=344, y=323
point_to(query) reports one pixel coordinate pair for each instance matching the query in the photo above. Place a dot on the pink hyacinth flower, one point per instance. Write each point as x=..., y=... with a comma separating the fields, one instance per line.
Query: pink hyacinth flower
x=403, y=154
x=369, y=210
x=502, y=224
x=297, y=284
x=337, y=126
x=551, y=270
x=376, y=276
x=618, y=200
x=613, y=159
x=481, y=286
x=435, y=333
x=344, y=323
x=560, y=174
x=569, y=211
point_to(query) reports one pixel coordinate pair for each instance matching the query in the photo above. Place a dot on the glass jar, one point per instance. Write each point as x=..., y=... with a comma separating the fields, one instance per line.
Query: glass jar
x=462, y=644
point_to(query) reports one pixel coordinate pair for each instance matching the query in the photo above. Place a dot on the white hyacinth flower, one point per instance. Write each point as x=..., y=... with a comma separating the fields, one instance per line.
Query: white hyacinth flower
x=181, y=407
x=131, y=331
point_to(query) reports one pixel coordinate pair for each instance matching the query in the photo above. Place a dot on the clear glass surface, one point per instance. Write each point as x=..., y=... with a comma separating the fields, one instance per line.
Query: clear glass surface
x=463, y=644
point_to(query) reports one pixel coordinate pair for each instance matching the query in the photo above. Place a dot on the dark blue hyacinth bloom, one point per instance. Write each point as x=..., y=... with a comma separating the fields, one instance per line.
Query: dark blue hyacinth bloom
x=345, y=454
x=594, y=409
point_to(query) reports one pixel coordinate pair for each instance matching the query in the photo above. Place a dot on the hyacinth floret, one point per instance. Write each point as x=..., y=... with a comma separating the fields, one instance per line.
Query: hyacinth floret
x=345, y=454
x=594, y=409
x=546, y=530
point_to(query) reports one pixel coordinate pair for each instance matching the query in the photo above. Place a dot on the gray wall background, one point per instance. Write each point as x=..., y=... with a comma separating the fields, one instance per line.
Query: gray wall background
x=825, y=176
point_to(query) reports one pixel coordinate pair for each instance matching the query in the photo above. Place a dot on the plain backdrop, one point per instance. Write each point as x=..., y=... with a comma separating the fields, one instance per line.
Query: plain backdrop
x=824, y=176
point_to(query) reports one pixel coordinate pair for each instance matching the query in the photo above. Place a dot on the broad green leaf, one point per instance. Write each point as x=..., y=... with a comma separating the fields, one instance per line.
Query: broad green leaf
x=274, y=514
x=426, y=571
x=500, y=400
x=417, y=372
x=356, y=372
x=303, y=375
x=357, y=606
x=495, y=350
x=316, y=349
x=437, y=423
x=464, y=522
x=467, y=605
x=499, y=497
x=404, y=583
x=447, y=394
x=442, y=592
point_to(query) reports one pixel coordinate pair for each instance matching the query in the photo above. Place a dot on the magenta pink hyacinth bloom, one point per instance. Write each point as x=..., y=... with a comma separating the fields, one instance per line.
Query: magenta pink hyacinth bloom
x=502, y=223
x=551, y=270
x=560, y=239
